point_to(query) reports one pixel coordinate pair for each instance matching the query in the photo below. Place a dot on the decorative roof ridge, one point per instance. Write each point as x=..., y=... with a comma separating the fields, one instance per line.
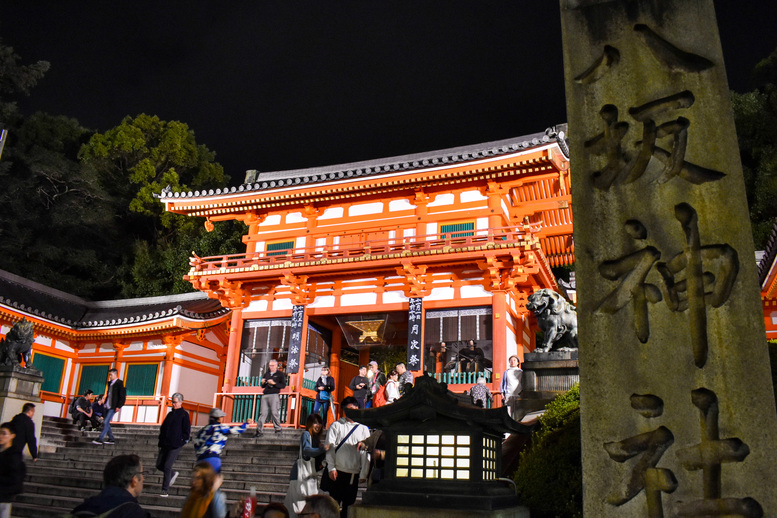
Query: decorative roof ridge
x=145, y=301
x=257, y=181
x=765, y=264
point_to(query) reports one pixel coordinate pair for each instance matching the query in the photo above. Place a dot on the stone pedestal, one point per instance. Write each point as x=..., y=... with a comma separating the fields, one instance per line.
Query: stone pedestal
x=371, y=511
x=545, y=376
x=17, y=387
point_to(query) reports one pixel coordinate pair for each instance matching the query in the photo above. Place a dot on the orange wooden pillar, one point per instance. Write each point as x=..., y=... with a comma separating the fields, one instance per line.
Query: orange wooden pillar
x=233, y=357
x=171, y=342
x=499, y=339
x=334, y=367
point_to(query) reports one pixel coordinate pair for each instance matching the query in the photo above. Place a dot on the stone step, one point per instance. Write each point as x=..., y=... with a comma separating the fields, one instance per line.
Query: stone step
x=70, y=468
x=93, y=480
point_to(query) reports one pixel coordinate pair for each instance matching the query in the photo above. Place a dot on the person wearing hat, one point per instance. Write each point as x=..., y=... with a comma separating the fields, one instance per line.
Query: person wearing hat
x=212, y=438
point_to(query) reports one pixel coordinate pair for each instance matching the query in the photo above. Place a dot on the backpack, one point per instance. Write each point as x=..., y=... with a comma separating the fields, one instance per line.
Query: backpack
x=73, y=405
x=380, y=397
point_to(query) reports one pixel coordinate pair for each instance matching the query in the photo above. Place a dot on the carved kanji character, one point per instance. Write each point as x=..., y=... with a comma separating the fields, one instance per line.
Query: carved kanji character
x=709, y=456
x=644, y=474
x=696, y=277
x=414, y=360
x=631, y=270
x=624, y=167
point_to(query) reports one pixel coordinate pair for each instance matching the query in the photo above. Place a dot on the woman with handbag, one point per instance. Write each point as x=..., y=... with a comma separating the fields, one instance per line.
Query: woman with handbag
x=303, y=480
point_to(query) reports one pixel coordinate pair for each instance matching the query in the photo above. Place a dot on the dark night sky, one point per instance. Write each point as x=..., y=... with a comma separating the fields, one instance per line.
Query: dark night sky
x=279, y=85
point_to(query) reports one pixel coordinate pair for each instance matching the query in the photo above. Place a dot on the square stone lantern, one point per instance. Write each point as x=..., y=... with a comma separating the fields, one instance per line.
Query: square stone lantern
x=441, y=453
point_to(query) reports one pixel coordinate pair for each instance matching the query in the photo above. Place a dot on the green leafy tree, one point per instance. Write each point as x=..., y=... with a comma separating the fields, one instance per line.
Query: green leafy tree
x=56, y=224
x=16, y=79
x=549, y=478
x=755, y=114
x=137, y=159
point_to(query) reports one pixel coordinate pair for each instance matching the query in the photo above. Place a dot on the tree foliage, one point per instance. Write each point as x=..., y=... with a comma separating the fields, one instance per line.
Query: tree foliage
x=549, y=478
x=16, y=79
x=755, y=114
x=135, y=160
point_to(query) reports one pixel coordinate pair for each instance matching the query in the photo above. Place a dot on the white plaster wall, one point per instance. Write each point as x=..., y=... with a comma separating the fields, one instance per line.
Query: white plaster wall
x=431, y=228
x=471, y=292
x=511, y=345
x=301, y=242
x=61, y=346
x=273, y=219
x=43, y=340
x=66, y=376
x=198, y=350
x=52, y=409
x=134, y=346
x=197, y=387
x=505, y=209
x=148, y=414
x=281, y=304
x=324, y=301
x=408, y=232
x=359, y=299
x=773, y=316
x=481, y=224
x=397, y=205
x=472, y=196
x=257, y=305
x=392, y=297
x=443, y=199
x=295, y=217
x=441, y=294
x=332, y=213
x=366, y=208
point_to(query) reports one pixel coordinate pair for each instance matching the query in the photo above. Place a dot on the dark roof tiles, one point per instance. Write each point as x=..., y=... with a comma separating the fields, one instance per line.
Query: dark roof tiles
x=63, y=308
x=258, y=181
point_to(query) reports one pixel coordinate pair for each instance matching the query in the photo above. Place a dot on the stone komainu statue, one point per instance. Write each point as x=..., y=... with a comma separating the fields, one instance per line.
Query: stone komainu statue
x=556, y=317
x=17, y=344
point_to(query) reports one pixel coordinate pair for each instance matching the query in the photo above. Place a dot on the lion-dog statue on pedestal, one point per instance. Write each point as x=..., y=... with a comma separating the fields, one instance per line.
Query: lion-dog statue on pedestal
x=556, y=317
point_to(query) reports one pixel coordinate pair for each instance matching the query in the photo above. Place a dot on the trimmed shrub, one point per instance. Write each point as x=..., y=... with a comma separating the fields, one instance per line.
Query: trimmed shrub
x=549, y=478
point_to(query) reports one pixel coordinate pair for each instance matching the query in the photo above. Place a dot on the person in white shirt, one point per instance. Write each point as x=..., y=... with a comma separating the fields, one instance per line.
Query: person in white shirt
x=346, y=465
x=512, y=384
x=392, y=387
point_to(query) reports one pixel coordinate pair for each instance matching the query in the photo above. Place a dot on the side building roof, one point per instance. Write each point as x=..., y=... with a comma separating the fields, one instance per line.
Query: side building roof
x=24, y=296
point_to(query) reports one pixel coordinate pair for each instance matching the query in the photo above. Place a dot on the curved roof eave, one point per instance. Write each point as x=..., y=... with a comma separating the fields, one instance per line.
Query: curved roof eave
x=264, y=181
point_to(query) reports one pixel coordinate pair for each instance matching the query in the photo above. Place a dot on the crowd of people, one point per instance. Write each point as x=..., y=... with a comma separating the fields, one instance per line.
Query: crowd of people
x=349, y=454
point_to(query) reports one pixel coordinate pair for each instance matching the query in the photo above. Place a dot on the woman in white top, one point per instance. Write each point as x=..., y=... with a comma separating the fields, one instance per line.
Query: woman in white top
x=392, y=387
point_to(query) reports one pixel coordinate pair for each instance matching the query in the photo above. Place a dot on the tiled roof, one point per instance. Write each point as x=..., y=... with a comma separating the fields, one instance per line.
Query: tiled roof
x=259, y=181
x=765, y=264
x=56, y=306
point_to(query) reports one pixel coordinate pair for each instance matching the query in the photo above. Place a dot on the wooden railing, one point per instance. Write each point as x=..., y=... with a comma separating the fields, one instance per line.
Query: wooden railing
x=367, y=249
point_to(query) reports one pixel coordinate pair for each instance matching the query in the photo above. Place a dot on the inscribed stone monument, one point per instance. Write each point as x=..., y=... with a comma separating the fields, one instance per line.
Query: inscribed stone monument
x=677, y=408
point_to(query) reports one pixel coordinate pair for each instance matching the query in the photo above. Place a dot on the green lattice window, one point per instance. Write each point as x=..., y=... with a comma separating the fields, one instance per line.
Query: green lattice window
x=94, y=377
x=141, y=379
x=52, y=368
x=454, y=230
x=279, y=248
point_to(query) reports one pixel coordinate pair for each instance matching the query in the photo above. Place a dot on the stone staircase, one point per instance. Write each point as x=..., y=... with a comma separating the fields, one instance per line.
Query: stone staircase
x=70, y=468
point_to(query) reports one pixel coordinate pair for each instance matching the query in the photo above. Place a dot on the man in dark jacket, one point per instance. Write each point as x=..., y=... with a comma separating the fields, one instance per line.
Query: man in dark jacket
x=12, y=470
x=173, y=434
x=123, y=482
x=360, y=386
x=272, y=382
x=115, y=397
x=25, y=431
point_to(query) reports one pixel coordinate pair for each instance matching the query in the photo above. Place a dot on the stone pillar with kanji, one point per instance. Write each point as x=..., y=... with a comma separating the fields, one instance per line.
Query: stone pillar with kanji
x=677, y=406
